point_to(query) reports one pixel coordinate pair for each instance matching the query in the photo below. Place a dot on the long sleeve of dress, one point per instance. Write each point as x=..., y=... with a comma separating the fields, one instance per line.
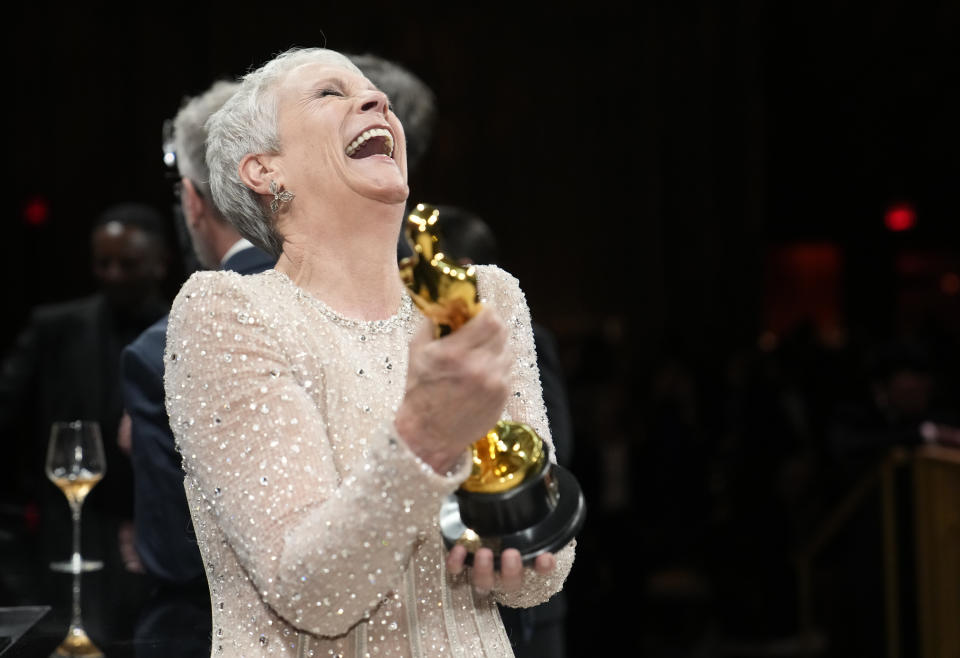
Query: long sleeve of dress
x=324, y=538
x=502, y=291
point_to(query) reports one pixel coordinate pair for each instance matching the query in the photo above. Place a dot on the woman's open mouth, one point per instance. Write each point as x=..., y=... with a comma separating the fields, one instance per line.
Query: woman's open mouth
x=375, y=141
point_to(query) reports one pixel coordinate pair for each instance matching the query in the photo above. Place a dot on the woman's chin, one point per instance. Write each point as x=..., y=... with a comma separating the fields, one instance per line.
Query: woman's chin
x=390, y=195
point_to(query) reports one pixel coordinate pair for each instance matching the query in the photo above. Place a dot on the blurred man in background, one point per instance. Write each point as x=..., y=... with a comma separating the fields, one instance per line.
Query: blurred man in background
x=65, y=366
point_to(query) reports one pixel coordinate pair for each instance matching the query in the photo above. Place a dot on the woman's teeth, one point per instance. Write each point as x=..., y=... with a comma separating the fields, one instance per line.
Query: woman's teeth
x=369, y=134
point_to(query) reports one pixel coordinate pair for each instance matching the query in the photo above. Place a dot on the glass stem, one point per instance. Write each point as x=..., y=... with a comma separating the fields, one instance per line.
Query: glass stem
x=75, y=512
x=76, y=621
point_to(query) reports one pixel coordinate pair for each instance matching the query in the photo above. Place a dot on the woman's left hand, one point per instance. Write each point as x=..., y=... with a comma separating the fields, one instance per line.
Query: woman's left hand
x=511, y=568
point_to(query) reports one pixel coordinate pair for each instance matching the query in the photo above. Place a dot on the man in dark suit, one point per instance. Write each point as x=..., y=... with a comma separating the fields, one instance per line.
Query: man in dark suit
x=163, y=530
x=64, y=366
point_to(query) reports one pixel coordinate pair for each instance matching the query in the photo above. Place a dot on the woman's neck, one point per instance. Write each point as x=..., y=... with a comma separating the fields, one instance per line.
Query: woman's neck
x=349, y=262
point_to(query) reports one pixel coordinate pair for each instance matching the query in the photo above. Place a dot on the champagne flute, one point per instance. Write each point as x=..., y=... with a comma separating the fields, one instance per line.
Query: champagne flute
x=75, y=463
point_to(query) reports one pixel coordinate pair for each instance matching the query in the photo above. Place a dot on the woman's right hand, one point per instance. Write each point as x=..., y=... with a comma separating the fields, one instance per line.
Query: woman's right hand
x=457, y=387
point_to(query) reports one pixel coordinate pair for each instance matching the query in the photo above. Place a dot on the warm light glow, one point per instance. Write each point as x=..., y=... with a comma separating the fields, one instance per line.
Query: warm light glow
x=768, y=341
x=950, y=284
x=36, y=212
x=900, y=217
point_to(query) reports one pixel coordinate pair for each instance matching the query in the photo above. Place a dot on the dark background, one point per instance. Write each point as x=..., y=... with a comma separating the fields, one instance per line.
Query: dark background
x=633, y=160
x=643, y=166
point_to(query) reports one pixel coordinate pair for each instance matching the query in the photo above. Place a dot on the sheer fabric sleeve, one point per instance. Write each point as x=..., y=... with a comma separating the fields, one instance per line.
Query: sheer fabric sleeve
x=525, y=405
x=323, y=551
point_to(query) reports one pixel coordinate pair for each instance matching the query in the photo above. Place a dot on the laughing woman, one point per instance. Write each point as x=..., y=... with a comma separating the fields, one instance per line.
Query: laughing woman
x=320, y=424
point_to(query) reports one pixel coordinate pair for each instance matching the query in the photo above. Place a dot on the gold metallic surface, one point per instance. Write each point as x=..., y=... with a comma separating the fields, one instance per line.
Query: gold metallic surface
x=447, y=294
x=474, y=542
x=504, y=457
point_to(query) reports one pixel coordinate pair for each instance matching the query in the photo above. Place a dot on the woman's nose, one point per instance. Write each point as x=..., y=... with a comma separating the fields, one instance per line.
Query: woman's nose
x=374, y=100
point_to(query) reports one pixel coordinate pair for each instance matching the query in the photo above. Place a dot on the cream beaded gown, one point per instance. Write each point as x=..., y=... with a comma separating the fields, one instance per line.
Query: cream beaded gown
x=317, y=525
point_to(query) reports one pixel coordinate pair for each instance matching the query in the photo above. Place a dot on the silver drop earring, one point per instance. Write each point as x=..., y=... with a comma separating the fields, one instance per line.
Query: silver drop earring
x=279, y=196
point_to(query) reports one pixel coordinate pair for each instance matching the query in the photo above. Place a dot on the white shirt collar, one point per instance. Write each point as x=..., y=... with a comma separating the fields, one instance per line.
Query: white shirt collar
x=238, y=246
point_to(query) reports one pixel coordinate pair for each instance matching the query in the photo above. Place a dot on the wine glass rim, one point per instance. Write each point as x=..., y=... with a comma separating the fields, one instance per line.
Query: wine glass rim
x=78, y=435
x=73, y=424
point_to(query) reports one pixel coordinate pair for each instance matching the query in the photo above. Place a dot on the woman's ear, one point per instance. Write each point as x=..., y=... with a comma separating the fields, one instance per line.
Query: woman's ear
x=257, y=170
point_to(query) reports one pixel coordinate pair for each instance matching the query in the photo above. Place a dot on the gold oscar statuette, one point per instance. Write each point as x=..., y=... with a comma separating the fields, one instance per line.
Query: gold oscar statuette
x=514, y=497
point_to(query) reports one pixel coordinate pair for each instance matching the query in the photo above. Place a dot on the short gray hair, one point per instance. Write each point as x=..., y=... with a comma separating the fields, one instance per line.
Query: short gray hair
x=248, y=123
x=190, y=133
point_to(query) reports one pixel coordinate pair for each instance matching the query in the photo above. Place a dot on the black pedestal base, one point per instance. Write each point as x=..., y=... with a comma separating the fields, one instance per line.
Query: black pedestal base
x=550, y=534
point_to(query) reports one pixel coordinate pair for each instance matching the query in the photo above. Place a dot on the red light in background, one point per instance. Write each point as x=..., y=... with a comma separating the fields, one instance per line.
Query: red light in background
x=900, y=217
x=950, y=284
x=36, y=212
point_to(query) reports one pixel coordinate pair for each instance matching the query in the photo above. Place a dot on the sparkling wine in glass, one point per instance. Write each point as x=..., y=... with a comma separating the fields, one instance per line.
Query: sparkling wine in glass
x=75, y=463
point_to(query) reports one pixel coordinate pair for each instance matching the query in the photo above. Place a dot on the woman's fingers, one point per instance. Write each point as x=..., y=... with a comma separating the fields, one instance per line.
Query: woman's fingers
x=485, y=331
x=511, y=570
x=545, y=564
x=455, y=559
x=483, y=573
x=456, y=390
